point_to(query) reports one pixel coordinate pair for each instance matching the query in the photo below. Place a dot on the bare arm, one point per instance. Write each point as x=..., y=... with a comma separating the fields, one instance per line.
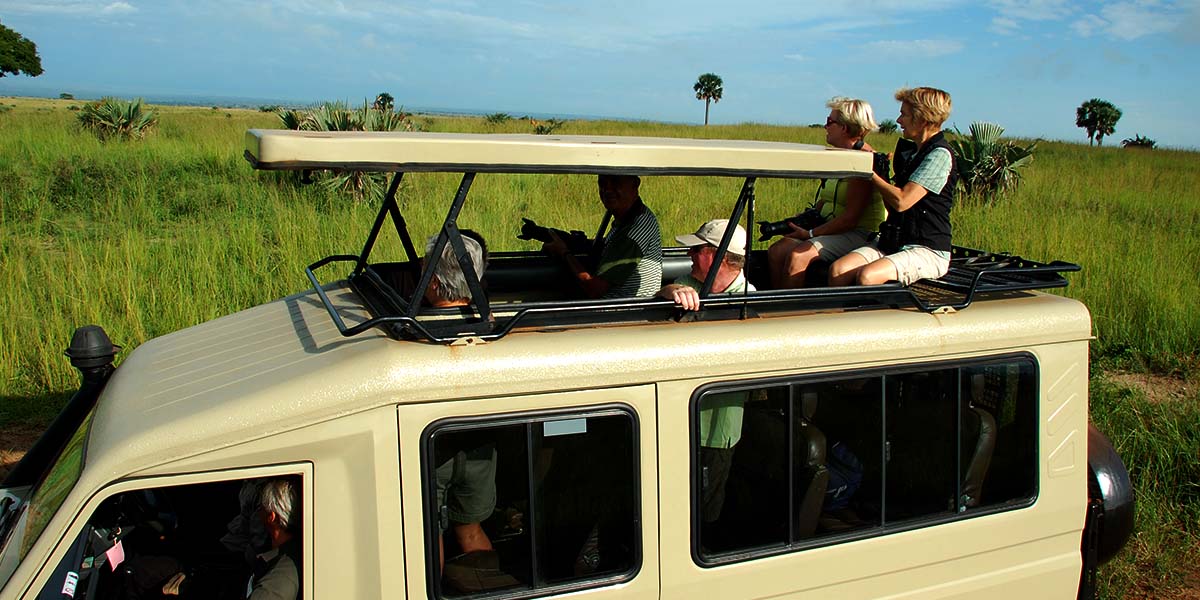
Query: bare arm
x=593, y=286
x=899, y=199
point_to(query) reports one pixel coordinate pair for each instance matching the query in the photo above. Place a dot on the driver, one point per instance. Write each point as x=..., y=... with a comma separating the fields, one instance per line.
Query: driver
x=276, y=574
x=631, y=263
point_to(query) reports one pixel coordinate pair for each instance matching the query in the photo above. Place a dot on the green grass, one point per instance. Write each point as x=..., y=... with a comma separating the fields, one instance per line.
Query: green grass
x=1160, y=444
x=150, y=237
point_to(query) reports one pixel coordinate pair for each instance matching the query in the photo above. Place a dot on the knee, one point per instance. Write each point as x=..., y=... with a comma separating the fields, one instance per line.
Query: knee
x=839, y=268
x=777, y=251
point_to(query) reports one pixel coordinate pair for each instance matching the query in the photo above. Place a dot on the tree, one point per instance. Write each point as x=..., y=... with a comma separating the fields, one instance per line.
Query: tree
x=888, y=126
x=1098, y=117
x=17, y=54
x=384, y=101
x=708, y=88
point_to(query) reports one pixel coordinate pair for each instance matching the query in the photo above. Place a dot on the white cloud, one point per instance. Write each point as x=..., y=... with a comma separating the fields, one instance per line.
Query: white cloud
x=1132, y=20
x=1124, y=19
x=369, y=41
x=1033, y=10
x=1004, y=26
x=1088, y=25
x=914, y=48
x=481, y=22
x=118, y=8
x=796, y=57
x=81, y=8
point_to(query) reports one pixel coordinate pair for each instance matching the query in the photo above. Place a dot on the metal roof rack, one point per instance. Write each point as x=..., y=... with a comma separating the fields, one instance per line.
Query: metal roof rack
x=399, y=312
x=392, y=292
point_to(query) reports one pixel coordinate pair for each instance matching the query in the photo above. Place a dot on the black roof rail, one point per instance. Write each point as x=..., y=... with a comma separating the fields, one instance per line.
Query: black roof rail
x=395, y=305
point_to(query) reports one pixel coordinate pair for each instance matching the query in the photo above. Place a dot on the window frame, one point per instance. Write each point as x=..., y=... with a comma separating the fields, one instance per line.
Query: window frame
x=302, y=469
x=525, y=418
x=789, y=381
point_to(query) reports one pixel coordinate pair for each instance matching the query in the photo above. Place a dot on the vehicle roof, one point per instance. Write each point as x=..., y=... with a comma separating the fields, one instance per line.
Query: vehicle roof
x=283, y=365
x=277, y=149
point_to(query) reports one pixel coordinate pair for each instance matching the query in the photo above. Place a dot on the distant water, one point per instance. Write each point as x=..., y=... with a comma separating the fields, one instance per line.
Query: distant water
x=256, y=102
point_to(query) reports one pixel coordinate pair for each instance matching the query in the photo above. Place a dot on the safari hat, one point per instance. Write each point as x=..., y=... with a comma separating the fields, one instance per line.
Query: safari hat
x=712, y=232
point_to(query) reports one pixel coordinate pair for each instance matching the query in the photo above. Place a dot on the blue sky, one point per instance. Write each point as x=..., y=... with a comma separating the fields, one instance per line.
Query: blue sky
x=1025, y=64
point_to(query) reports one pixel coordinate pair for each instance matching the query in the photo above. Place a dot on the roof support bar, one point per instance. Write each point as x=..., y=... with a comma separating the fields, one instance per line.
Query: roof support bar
x=450, y=234
x=746, y=197
x=389, y=207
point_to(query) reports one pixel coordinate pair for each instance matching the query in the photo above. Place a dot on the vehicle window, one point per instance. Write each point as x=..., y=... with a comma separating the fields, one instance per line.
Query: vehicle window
x=794, y=464
x=210, y=540
x=54, y=487
x=532, y=503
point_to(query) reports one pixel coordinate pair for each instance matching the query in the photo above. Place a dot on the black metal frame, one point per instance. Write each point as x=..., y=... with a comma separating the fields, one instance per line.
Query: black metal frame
x=972, y=272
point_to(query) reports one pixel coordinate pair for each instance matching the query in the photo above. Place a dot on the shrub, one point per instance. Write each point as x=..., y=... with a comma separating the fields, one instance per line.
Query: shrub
x=1139, y=141
x=337, y=116
x=498, y=118
x=115, y=118
x=548, y=127
x=888, y=126
x=268, y=108
x=986, y=164
x=66, y=96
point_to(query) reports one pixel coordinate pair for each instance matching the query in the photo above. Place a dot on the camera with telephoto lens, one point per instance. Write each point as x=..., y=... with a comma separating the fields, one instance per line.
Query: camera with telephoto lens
x=577, y=242
x=806, y=220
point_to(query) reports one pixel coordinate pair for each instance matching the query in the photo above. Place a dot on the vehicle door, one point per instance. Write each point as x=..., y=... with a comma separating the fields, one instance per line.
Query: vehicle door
x=534, y=495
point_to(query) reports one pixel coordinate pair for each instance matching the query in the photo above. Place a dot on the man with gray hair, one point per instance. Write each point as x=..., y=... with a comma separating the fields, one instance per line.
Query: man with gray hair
x=449, y=286
x=276, y=572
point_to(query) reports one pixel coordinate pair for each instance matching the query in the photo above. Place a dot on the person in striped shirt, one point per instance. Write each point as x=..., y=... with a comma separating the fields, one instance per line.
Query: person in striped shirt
x=630, y=263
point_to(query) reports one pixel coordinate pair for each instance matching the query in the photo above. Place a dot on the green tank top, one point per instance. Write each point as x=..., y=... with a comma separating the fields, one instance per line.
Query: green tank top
x=834, y=194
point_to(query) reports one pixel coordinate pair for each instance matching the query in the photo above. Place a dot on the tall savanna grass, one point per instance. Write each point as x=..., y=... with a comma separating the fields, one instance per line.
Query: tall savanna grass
x=152, y=236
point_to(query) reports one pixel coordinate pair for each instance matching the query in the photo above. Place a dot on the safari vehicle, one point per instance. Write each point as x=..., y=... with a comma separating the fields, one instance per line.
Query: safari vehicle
x=921, y=442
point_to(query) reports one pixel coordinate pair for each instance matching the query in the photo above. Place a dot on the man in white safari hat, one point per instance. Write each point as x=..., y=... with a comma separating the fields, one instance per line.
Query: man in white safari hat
x=702, y=248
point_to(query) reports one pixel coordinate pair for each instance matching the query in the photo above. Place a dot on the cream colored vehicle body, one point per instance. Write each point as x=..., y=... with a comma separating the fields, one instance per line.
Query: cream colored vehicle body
x=277, y=390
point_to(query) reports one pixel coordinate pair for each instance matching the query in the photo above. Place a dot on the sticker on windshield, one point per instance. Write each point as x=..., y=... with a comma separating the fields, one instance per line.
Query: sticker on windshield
x=69, y=584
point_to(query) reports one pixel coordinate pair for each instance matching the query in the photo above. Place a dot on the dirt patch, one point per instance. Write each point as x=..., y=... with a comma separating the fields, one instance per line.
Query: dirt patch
x=14, y=441
x=1157, y=388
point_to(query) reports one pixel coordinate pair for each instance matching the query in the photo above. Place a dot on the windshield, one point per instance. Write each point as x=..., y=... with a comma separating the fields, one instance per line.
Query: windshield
x=25, y=511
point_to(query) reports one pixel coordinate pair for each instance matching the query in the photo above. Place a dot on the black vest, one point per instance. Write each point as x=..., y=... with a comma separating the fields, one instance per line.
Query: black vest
x=926, y=223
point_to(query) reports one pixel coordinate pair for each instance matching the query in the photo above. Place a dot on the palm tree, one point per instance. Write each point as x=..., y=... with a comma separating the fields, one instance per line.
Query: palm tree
x=708, y=88
x=1098, y=117
x=384, y=101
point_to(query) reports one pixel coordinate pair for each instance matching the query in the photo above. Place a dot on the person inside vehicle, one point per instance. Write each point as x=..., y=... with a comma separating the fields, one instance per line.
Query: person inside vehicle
x=630, y=263
x=448, y=287
x=914, y=241
x=702, y=248
x=465, y=479
x=720, y=414
x=276, y=573
x=853, y=207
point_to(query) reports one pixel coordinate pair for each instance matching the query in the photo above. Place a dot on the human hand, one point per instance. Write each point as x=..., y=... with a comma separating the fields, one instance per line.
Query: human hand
x=171, y=587
x=686, y=297
x=798, y=233
x=555, y=247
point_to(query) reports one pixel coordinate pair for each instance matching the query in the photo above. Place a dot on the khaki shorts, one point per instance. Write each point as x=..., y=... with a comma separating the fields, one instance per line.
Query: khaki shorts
x=911, y=262
x=833, y=247
x=466, y=485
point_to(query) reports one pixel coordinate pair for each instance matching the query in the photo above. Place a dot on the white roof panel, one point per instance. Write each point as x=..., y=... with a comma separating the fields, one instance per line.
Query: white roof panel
x=525, y=153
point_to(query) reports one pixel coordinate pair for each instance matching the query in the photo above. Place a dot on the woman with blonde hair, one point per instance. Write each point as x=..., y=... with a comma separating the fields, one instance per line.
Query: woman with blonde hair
x=853, y=208
x=914, y=241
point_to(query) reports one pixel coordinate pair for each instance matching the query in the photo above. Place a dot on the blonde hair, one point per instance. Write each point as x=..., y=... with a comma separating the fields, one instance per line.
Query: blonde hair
x=930, y=105
x=855, y=114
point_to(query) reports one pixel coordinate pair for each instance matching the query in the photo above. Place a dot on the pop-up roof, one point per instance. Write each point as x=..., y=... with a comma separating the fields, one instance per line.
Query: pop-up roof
x=393, y=293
